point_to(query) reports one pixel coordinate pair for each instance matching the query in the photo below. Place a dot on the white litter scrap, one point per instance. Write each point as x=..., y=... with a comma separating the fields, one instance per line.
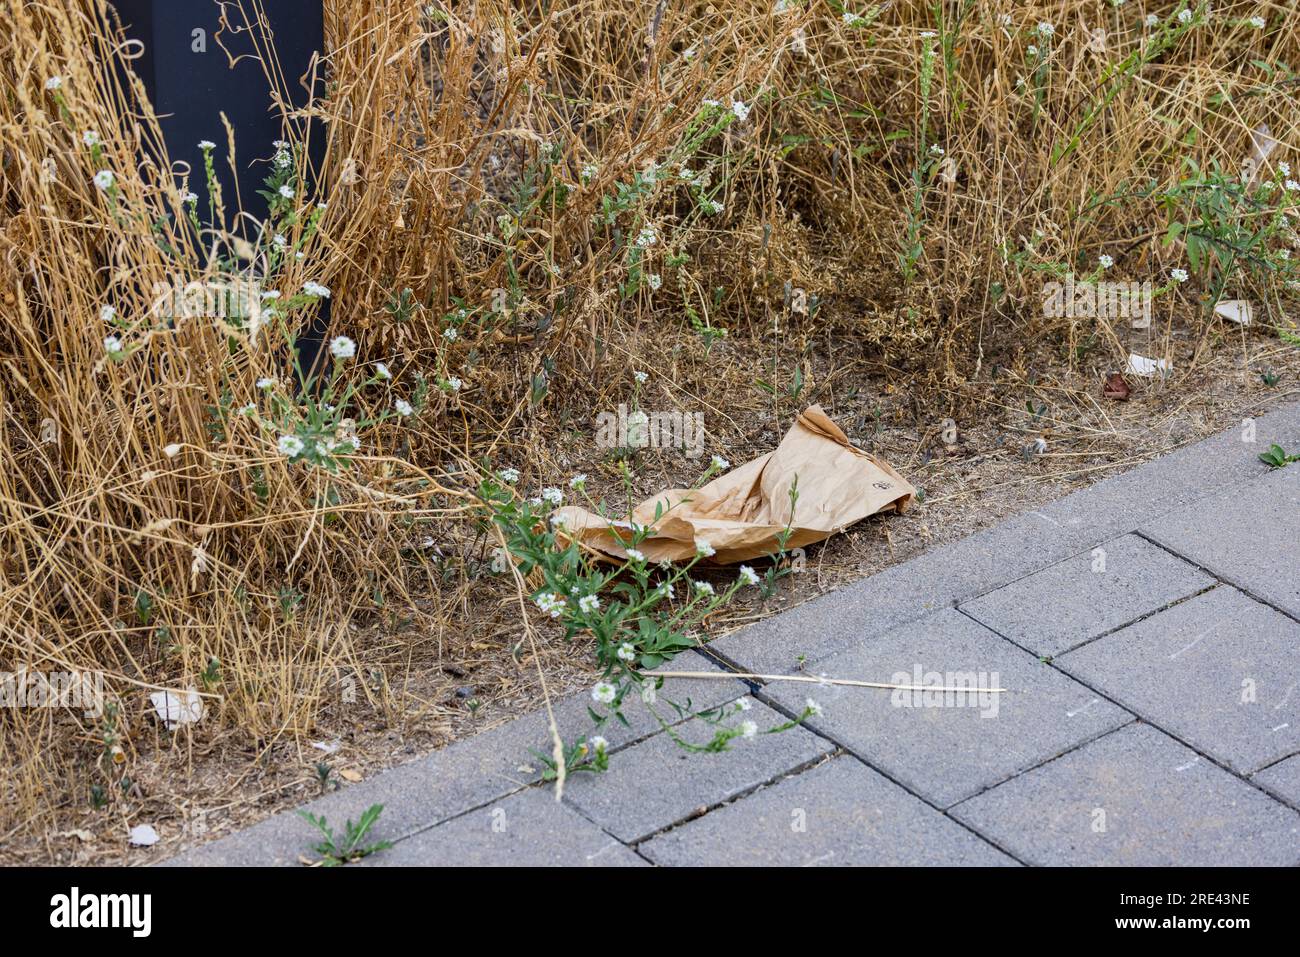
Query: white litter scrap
x=1236, y=310
x=143, y=835
x=1145, y=367
x=177, y=709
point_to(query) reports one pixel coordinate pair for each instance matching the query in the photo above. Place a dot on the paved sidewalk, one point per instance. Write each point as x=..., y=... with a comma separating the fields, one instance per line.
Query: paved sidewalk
x=1148, y=628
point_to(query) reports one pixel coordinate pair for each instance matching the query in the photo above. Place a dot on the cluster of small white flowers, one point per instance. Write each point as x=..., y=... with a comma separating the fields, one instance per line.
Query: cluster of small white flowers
x=1178, y=275
x=341, y=347
x=646, y=238
x=665, y=589
x=550, y=603
x=702, y=588
x=1105, y=261
x=813, y=707
x=598, y=744
x=603, y=692
x=654, y=280
x=382, y=372
x=510, y=475
x=748, y=729
x=718, y=462
x=748, y=575
x=589, y=172
x=1045, y=29
x=626, y=652
x=1292, y=185
x=316, y=289
x=1184, y=16
x=90, y=138
x=1284, y=168
x=454, y=384
x=936, y=149
x=1258, y=23
x=248, y=409
x=290, y=445
x=552, y=495
x=1004, y=20
x=104, y=179
x=107, y=313
x=649, y=692
x=286, y=191
x=279, y=242
x=589, y=603
x=450, y=334
x=1151, y=20
x=641, y=377
x=112, y=345
x=704, y=549
x=578, y=481
x=206, y=145
x=403, y=407
x=636, y=554
x=739, y=110
x=54, y=83
x=266, y=382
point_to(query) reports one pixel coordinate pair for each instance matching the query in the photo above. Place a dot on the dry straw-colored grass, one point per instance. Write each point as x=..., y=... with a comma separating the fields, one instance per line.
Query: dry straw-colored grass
x=433, y=122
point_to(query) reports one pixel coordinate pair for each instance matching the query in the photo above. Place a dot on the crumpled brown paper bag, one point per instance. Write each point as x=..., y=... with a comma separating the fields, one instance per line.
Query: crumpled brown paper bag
x=742, y=512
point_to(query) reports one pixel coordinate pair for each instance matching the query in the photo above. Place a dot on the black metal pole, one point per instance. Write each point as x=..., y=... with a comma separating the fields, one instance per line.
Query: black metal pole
x=194, y=70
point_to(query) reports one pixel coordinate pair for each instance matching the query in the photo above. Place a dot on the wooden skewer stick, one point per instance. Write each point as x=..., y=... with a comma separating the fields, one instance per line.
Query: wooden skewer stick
x=722, y=675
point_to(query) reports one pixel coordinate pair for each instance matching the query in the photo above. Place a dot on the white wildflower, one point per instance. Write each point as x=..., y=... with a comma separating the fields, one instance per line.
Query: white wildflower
x=812, y=707
x=1045, y=29
x=207, y=145
x=552, y=495
x=636, y=554
x=286, y=191
x=1105, y=261
x=704, y=549
x=266, y=382
x=290, y=445
x=626, y=652
x=90, y=138
x=740, y=110
x=1184, y=16
x=589, y=603
x=748, y=729
x=316, y=289
x=450, y=334
x=702, y=588
x=578, y=481
x=112, y=345
x=107, y=314
x=1178, y=275
x=54, y=83
x=598, y=744
x=341, y=347
x=748, y=575
x=718, y=462
x=403, y=407
x=381, y=370
x=603, y=692
x=641, y=377
x=509, y=475
x=104, y=179
x=550, y=603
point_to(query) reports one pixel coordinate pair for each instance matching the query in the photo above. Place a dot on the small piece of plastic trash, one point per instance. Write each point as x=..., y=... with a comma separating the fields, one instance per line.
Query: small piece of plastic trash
x=177, y=709
x=1239, y=311
x=143, y=835
x=742, y=513
x=1145, y=367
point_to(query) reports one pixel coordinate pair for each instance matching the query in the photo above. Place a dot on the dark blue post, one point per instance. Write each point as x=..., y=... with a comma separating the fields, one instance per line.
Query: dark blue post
x=187, y=70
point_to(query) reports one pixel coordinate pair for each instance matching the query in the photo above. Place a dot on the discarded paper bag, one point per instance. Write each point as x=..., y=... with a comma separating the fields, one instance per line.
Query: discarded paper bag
x=742, y=513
